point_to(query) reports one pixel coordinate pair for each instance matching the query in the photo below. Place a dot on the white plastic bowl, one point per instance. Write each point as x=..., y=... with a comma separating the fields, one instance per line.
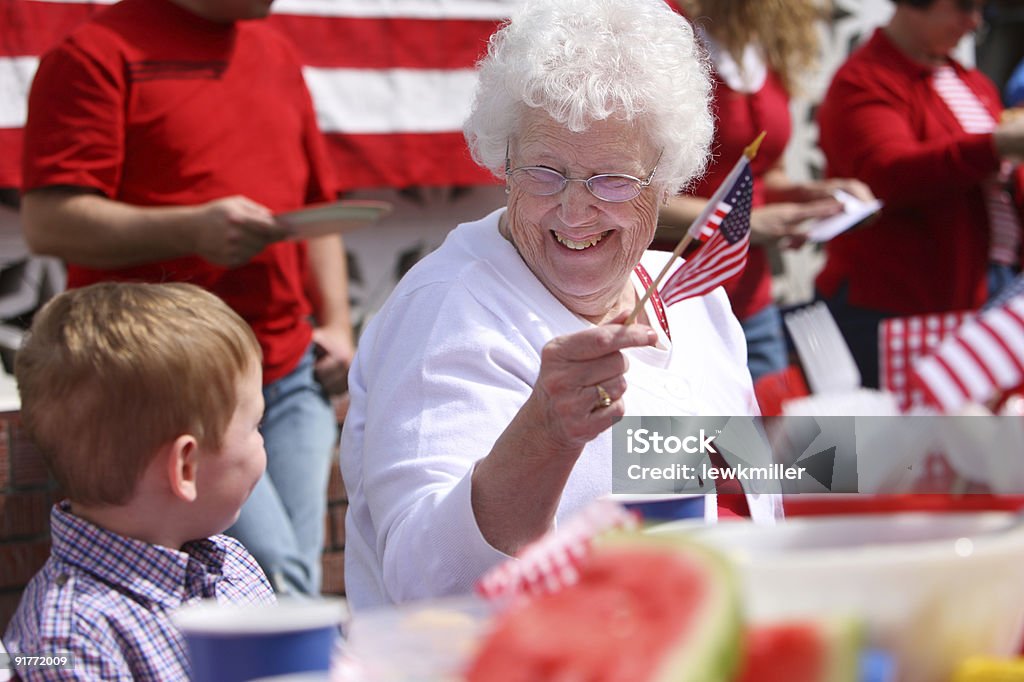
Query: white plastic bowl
x=931, y=588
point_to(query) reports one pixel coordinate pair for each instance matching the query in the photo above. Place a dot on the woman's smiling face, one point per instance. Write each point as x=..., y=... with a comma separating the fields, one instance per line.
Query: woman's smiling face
x=581, y=248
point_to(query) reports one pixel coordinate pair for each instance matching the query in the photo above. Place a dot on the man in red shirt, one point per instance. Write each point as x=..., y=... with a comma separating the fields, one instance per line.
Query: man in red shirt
x=162, y=137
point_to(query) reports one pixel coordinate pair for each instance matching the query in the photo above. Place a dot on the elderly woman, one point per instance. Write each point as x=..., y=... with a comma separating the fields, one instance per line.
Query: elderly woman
x=483, y=391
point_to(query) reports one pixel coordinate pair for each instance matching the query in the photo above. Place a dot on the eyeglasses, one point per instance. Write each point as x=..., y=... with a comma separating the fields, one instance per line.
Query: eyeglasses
x=542, y=181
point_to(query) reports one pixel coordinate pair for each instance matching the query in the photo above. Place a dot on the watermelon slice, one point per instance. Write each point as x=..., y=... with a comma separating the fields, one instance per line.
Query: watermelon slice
x=644, y=609
x=826, y=650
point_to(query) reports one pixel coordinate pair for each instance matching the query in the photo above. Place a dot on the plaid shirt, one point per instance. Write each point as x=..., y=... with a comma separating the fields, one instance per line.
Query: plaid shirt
x=107, y=600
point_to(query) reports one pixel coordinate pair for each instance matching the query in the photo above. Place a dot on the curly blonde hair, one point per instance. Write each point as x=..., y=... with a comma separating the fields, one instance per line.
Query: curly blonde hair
x=783, y=28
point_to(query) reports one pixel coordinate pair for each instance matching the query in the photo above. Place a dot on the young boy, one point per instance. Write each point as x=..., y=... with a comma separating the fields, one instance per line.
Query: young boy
x=145, y=400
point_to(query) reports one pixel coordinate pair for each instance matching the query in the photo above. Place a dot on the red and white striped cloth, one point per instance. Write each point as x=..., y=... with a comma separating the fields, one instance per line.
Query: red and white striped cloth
x=902, y=342
x=392, y=81
x=553, y=562
x=974, y=118
x=981, y=360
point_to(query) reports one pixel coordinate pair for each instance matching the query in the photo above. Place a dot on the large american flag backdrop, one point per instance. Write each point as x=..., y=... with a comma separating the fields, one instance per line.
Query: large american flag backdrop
x=392, y=80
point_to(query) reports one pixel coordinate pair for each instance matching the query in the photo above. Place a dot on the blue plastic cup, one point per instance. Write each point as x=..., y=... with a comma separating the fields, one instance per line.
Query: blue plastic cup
x=660, y=508
x=229, y=643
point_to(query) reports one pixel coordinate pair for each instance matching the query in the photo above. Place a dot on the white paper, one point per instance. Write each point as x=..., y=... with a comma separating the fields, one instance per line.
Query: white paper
x=335, y=218
x=854, y=212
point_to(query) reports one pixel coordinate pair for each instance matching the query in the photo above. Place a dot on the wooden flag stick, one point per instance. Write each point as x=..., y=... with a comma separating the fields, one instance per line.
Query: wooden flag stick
x=750, y=152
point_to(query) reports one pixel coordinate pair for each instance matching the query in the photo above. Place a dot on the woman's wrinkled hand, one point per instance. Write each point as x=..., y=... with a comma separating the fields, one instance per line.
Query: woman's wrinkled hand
x=578, y=393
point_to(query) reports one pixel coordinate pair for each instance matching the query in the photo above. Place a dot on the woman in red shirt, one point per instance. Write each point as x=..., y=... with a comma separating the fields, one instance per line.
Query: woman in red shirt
x=924, y=132
x=757, y=48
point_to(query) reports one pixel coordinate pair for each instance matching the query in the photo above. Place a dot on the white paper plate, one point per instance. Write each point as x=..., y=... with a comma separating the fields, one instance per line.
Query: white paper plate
x=334, y=218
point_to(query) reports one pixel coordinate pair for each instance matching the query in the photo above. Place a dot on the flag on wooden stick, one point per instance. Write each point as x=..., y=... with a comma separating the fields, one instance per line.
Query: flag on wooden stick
x=725, y=223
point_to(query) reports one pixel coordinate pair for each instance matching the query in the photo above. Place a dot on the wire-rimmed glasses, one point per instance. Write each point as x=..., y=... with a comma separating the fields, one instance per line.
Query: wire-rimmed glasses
x=612, y=187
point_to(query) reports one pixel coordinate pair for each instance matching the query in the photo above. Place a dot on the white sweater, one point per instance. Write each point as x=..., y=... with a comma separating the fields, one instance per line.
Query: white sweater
x=439, y=374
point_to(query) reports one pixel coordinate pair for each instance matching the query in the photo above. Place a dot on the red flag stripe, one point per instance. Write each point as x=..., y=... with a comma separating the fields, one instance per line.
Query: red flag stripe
x=31, y=28
x=403, y=160
x=376, y=43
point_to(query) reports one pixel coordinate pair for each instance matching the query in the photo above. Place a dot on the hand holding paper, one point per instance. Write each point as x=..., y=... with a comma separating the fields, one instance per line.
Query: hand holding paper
x=855, y=211
x=334, y=218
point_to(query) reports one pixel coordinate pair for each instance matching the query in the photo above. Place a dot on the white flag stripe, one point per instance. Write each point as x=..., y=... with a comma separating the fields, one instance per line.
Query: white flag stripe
x=979, y=388
x=16, y=75
x=999, y=363
x=390, y=101
x=946, y=391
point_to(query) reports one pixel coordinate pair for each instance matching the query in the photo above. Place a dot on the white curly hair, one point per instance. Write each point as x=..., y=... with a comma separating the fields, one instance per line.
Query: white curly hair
x=582, y=61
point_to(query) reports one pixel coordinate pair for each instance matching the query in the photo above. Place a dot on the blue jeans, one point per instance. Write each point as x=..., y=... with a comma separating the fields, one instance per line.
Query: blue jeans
x=999, y=276
x=766, y=343
x=282, y=523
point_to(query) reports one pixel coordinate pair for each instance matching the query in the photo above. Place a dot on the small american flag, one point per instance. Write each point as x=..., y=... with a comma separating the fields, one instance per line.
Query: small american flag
x=725, y=252
x=978, y=362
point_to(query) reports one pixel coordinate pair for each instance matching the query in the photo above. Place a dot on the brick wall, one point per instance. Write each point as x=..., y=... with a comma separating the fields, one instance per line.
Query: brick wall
x=27, y=493
x=333, y=561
